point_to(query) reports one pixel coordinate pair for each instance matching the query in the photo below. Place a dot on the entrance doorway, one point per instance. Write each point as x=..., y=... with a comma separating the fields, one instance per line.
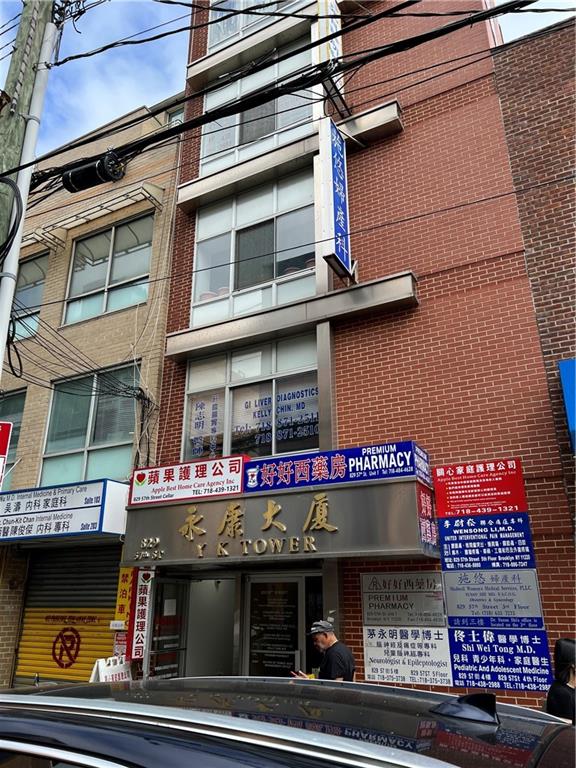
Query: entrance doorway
x=278, y=609
x=210, y=647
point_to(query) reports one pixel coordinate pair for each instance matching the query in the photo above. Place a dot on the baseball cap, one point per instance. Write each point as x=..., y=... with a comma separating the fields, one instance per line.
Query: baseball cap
x=321, y=626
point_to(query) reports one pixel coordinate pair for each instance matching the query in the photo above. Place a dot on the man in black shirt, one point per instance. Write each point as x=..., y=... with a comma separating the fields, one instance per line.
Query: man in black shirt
x=338, y=660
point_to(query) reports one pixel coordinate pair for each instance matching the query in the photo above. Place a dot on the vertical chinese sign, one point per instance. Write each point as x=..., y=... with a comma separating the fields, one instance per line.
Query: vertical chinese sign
x=5, y=432
x=335, y=245
x=140, y=618
x=496, y=627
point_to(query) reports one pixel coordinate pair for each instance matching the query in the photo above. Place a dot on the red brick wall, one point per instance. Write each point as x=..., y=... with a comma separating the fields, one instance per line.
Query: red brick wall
x=535, y=81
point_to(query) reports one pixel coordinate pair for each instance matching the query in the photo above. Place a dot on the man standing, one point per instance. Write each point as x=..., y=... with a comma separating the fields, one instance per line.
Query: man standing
x=337, y=661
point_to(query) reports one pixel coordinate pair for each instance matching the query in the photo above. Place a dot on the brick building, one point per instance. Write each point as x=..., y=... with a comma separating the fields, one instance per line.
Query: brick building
x=437, y=342
x=89, y=314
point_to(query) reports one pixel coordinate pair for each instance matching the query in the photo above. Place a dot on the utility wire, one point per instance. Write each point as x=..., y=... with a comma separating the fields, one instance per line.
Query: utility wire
x=288, y=83
x=364, y=230
x=482, y=54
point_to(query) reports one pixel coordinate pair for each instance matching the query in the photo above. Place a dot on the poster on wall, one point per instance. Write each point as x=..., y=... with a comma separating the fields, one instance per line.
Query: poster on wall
x=405, y=634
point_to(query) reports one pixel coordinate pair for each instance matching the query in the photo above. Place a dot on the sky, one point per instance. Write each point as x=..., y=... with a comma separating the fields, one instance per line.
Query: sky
x=88, y=93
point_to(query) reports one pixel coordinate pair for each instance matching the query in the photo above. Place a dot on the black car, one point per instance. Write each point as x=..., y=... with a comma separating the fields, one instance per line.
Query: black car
x=272, y=723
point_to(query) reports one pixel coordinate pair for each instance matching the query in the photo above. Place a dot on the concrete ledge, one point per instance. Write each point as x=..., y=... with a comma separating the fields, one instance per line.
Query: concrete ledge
x=379, y=122
x=389, y=293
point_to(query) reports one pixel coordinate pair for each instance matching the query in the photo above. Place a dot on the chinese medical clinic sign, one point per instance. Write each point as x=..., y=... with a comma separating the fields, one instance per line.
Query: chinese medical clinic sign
x=194, y=480
x=480, y=488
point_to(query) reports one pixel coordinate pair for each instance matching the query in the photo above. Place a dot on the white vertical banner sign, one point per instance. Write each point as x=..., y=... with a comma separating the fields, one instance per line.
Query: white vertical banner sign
x=141, y=619
x=329, y=23
x=335, y=245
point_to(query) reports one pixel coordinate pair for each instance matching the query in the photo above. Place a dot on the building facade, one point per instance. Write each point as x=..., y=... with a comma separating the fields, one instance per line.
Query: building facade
x=272, y=357
x=81, y=388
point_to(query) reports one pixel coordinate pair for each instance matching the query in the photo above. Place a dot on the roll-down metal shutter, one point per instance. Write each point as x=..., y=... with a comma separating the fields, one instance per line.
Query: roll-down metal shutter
x=70, y=600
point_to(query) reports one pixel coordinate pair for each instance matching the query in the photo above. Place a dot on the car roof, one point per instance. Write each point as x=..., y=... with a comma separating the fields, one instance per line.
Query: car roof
x=410, y=727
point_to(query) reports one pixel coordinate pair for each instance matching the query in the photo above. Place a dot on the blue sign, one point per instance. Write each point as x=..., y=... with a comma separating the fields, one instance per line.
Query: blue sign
x=490, y=542
x=508, y=659
x=340, y=259
x=387, y=461
x=567, y=370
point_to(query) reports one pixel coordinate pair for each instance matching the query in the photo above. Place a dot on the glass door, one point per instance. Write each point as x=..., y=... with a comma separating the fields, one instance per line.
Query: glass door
x=278, y=609
x=168, y=647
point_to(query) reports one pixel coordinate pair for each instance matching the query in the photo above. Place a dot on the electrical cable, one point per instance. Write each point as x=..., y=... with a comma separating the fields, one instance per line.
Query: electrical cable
x=483, y=55
x=14, y=18
x=364, y=230
x=18, y=213
x=290, y=84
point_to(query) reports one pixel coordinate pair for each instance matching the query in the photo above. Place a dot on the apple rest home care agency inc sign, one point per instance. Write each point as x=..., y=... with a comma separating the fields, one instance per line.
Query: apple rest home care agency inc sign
x=74, y=509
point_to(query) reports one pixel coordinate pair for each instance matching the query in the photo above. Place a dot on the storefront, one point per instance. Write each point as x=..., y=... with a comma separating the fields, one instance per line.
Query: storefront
x=71, y=534
x=244, y=558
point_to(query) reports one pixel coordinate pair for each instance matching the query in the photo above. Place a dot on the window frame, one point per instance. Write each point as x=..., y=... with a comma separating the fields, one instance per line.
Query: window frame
x=87, y=448
x=108, y=287
x=230, y=385
x=233, y=152
x=232, y=262
x=253, y=23
x=21, y=316
x=13, y=446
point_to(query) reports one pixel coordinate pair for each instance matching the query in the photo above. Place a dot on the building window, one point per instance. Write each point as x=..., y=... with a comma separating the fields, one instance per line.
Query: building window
x=11, y=409
x=286, y=118
x=28, y=295
x=232, y=27
x=256, y=250
x=175, y=116
x=91, y=428
x=258, y=401
x=110, y=270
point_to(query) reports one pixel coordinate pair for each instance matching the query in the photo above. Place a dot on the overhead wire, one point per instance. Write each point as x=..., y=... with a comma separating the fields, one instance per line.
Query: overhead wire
x=290, y=84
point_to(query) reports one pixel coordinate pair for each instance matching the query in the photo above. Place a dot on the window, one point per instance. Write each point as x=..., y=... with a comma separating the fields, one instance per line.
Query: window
x=226, y=141
x=91, y=428
x=28, y=295
x=263, y=238
x=175, y=116
x=110, y=270
x=11, y=409
x=257, y=401
x=234, y=26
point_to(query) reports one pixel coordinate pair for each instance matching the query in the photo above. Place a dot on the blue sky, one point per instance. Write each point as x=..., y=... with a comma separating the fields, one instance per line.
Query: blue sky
x=85, y=94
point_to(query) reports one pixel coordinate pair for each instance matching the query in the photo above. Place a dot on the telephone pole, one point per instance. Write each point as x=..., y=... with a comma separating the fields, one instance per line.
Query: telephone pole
x=19, y=124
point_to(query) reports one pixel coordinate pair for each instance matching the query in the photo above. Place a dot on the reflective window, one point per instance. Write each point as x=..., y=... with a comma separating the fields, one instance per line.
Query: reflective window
x=226, y=140
x=11, y=410
x=110, y=270
x=91, y=428
x=267, y=403
x=232, y=26
x=263, y=236
x=28, y=295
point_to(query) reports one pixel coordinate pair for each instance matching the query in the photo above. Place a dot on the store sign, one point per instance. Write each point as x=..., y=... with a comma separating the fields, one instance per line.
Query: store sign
x=508, y=659
x=497, y=600
x=314, y=522
x=409, y=599
x=140, y=614
x=480, y=488
x=388, y=461
x=5, y=432
x=489, y=542
x=335, y=244
x=427, y=521
x=407, y=655
x=65, y=510
x=183, y=482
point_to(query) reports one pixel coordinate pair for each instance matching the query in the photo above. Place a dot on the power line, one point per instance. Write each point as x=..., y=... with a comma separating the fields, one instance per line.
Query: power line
x=482, y=54
x=364, y=230
x=289, y=83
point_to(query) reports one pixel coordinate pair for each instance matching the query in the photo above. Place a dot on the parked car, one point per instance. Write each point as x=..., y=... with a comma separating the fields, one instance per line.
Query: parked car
x=241, y=722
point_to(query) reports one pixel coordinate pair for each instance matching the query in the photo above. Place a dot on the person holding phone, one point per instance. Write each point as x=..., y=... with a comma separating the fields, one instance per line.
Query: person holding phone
x=337, y=660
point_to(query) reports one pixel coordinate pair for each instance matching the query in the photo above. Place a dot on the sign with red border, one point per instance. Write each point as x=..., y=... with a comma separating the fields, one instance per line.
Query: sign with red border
x=140, y=613
x=206, y=478
x=5, y=432
x=490, y=487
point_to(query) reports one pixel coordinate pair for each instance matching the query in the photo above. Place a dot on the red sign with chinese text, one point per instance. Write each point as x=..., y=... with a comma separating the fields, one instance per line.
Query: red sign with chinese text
x=140, y=610
x=480, y=488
